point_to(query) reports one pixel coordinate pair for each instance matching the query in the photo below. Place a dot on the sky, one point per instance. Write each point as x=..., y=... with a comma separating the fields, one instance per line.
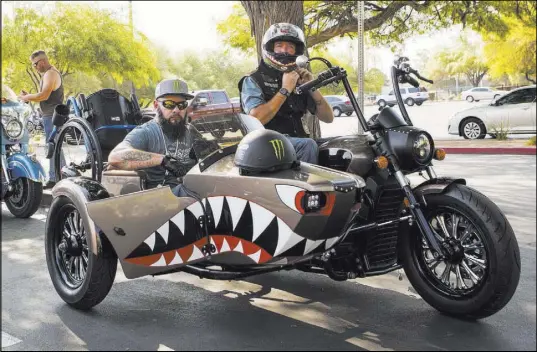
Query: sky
x=191, y=25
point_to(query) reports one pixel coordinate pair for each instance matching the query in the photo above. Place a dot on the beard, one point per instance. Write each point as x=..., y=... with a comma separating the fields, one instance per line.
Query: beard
x=175, y=129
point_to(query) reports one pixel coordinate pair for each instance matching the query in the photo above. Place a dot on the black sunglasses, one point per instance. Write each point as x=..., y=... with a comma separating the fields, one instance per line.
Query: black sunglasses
x=35, y=63
x=170, y=104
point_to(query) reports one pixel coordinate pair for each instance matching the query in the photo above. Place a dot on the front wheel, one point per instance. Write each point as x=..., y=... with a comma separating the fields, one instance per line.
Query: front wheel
x=337, y=112
x=409, y=102
x=481, y=275
x=81, y=278
x=26, y=197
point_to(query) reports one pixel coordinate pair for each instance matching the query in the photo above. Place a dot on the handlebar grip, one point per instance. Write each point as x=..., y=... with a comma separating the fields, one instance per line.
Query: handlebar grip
x=308, y=85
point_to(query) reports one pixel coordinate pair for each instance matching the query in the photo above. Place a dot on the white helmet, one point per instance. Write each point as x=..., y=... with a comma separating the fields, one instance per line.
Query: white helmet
x=282, y=32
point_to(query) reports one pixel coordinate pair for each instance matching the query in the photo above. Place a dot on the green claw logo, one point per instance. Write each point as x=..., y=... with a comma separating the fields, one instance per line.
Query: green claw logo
x=176, y=86
x=277, y=145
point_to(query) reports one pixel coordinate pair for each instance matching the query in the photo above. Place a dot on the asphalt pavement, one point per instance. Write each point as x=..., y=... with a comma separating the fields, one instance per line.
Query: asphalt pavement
x=277, y=311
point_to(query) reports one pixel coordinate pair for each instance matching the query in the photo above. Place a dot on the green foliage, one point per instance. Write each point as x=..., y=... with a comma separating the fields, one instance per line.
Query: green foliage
x=532, y=141
x=77, y=38
x=387, y=22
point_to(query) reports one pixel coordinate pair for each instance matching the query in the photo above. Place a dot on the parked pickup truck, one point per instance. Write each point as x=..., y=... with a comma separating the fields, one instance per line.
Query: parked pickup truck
x=213, y=111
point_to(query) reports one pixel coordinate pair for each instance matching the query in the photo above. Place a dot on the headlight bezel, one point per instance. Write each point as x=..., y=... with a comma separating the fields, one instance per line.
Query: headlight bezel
x=401, y=141
x=15, y=114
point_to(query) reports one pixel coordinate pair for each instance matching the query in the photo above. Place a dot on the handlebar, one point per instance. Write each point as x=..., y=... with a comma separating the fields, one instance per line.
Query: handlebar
x=324, y=78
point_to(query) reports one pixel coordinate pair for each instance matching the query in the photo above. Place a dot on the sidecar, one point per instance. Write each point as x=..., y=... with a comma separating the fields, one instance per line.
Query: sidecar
x=257, y=222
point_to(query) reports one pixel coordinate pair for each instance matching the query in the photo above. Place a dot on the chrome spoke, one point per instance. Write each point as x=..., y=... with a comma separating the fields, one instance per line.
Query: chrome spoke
x=466, y=234
x=473, y=276
x=71, y=225
x=80, y=269
x=459, y=277
x=479, y=262
x=77, y=222
x=455, y=225
x=442, y=222
x=85, y=259
x=445, y=274
x=473, y=247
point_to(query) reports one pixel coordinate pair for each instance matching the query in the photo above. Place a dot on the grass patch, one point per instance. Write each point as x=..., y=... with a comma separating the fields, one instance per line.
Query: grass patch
x=531, y=141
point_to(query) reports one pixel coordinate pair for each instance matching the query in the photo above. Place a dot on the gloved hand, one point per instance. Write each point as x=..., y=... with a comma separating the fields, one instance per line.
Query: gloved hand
x=174, y=167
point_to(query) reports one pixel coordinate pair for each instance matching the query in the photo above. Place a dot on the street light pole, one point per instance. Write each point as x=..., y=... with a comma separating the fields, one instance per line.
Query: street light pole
x=360, y=37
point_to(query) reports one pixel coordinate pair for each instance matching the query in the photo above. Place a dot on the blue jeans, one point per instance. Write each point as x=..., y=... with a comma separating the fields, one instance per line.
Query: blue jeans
x=49, y=127
x=179, y=191
x=306, y=149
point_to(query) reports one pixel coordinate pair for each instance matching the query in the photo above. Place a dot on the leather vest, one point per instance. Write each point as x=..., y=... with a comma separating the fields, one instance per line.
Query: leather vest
x=288, y=120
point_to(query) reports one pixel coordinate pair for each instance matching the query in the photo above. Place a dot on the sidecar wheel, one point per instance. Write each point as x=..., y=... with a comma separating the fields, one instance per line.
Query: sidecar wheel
x=26, y=197
x=482, y=275
x=81, y=278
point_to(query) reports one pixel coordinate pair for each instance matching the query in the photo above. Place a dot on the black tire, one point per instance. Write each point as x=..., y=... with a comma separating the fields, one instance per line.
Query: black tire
x=88, y=290
x=470, y=99
x=87, y=134
x=419, y=104
x=500, y=278
x=496, y=96
x=337, y=112
x=473, y=128
x=381, y=103
x=26, y=204
x=348, y=113
x=409, y=102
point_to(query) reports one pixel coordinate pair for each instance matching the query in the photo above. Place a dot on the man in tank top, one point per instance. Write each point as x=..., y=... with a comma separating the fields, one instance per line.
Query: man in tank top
x=50, y=94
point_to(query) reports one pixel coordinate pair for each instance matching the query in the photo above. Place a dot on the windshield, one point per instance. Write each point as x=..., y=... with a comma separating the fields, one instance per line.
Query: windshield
x=223, y=129
x=8, y=94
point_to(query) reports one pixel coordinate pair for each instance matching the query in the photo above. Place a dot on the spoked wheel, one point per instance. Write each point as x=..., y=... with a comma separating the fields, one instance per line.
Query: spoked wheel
x=481, y=272
x=81, y=278
x=82, y=156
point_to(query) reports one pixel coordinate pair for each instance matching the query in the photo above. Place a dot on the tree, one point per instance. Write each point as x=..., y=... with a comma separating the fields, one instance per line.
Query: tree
x=77, y=38
x=513, y=53
x=387, y=22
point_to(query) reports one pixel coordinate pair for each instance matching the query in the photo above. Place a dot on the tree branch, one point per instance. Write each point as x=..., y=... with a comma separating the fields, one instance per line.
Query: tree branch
x=529, y=79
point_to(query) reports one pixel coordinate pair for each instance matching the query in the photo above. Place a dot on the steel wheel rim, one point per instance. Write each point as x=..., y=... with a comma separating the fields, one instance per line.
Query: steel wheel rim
x=472, y=130
x=73, y=267
x=20, y=188
x=459, y=278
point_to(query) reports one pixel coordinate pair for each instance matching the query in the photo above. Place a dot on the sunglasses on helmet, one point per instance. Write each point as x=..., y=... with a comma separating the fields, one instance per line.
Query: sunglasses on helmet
x=170, y=104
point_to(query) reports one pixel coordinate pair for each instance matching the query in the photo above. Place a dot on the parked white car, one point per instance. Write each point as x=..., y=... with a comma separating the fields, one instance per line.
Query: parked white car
x=481, y=93
x=514, y=112
x=410, y=96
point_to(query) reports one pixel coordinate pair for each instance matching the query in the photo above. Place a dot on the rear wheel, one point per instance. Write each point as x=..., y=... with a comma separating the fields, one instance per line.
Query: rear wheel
x=337, y=112
x=482, y=274
x=473, y=128
x=348, y=113
x=81, y=278
x=419, y=104
x=409, y=102
x=469, y=98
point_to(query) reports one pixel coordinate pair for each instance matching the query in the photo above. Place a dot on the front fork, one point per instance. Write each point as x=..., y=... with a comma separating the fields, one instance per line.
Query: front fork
x=415, y=209
x=6, y=179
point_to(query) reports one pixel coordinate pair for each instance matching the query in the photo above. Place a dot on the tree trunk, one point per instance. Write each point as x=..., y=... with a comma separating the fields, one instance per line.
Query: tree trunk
x=262, y=15
x=529, y=78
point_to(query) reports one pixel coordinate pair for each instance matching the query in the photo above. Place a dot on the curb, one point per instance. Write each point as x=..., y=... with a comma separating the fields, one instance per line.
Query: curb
x=491, y=150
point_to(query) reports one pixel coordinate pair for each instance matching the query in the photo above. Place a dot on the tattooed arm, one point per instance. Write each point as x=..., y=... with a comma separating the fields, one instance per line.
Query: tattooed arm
x=125, y=157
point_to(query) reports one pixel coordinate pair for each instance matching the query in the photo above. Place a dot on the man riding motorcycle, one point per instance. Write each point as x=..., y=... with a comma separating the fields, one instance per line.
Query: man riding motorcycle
x=268, y=93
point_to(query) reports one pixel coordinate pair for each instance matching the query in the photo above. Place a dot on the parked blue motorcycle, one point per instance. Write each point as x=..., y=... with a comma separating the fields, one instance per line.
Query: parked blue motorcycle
x=22, y=175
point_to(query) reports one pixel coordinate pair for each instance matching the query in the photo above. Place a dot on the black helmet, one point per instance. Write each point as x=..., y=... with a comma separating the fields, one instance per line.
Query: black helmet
x=265, y=151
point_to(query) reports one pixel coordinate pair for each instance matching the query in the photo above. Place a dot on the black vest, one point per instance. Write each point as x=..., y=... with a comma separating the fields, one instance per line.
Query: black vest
x=288, y=120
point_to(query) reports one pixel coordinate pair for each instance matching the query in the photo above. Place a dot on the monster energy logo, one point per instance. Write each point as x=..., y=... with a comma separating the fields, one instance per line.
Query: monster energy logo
x=177, y=86
x=277, y=145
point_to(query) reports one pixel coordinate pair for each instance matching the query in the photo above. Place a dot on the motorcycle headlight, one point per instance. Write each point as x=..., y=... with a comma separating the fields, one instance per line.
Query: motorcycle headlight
x=14, y=129
x=413, y=147
x=422, y=149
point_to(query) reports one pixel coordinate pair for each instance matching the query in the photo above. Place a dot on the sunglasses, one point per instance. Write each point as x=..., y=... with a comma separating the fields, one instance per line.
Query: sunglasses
x=170, y=104
x=35, y=63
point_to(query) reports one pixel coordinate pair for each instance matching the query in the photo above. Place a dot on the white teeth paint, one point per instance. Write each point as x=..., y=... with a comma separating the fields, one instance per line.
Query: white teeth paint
x=261, y=219
x=236, y=207
x=256, y=256
x=214, y=244
x=311, y=245
x=288, y=194
x=225, y=247
x=196, y=209
x=217, y=203
x=330, y=242
x=179, y=221
x=150, y=241
x=160, y=262
x=239, y=248
x=286, y=238
x=196, y=254
x=177, y=259
x=164, y=231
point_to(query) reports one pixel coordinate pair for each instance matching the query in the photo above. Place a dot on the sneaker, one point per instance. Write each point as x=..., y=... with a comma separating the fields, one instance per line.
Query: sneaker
x=49, y=184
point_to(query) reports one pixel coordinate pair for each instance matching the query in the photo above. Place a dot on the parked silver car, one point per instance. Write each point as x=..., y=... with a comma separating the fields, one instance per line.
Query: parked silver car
x=513, y=113
x=481, y=93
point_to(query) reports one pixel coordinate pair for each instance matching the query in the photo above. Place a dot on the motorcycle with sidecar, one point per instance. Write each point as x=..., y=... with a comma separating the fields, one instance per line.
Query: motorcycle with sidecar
x=355, y=215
